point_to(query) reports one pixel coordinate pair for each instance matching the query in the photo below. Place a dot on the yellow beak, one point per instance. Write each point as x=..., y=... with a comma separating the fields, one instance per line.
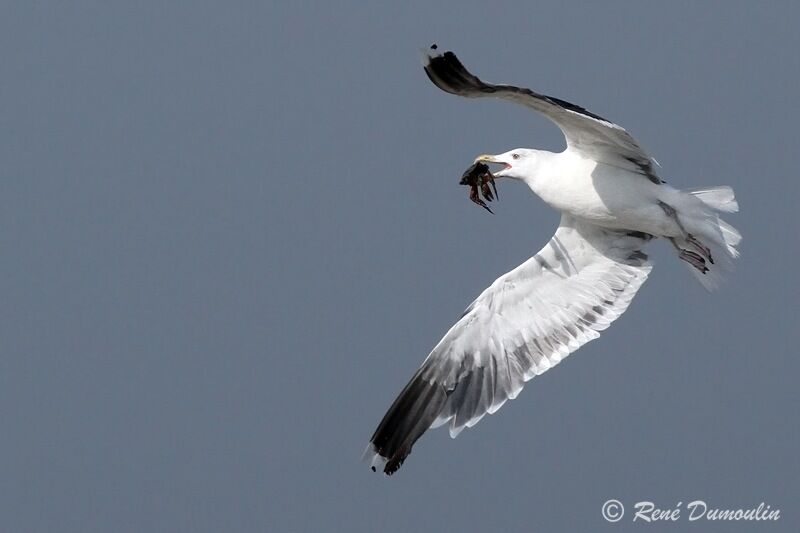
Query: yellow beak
x=485, y=158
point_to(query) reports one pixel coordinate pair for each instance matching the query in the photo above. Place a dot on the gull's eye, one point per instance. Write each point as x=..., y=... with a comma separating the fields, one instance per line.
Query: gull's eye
x=515, y=156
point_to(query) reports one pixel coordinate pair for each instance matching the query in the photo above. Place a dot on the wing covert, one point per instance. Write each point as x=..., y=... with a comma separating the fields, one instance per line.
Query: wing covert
x=585, y=132
x=525, y=323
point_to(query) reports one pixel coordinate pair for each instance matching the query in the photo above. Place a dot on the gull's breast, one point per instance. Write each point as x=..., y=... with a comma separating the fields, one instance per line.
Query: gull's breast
x=600, y=193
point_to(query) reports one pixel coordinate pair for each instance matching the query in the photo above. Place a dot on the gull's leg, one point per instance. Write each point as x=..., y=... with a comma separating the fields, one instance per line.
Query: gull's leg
x=693, y=258
x=691, y=239
x=703, y=249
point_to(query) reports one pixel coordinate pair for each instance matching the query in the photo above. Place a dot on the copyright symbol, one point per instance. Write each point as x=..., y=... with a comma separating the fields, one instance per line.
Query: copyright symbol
x=613, y=510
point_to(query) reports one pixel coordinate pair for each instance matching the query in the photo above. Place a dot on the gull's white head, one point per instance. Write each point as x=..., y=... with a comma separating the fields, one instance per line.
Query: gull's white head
x=519, y=163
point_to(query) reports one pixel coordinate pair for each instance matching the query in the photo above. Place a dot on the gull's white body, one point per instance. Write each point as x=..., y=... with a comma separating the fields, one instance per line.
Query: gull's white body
x=599, y=193
x=612, y=203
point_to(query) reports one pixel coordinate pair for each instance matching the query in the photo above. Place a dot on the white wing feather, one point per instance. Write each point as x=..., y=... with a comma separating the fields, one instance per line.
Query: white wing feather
x=528, y=320
x=523, y=324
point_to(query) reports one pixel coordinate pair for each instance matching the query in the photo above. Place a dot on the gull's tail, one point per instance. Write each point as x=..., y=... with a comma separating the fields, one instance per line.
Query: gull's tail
x=698, y=212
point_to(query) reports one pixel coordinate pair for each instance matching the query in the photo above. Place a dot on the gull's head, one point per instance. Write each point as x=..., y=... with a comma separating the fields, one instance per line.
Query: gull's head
x=519, y=163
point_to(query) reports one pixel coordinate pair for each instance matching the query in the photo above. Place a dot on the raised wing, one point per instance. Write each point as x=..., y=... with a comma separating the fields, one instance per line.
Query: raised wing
x=523, y=324
x=585, y=132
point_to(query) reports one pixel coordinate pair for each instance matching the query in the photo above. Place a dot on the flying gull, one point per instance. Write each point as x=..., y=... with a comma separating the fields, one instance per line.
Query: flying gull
x=612, y=202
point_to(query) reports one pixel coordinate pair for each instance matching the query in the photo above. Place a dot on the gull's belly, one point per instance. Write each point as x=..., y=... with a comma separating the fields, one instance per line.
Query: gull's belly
x=608, y=196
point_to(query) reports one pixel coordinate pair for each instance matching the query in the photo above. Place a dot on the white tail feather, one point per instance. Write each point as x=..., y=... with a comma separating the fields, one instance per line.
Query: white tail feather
x=731, y=235
x=696, y=211
x=720, y=198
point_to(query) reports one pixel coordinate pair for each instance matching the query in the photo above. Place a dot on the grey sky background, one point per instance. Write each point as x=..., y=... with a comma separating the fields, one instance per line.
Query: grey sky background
x=232, y=231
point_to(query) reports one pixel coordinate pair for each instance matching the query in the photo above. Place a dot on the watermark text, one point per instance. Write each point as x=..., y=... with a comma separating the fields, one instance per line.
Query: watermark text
x=697, y=510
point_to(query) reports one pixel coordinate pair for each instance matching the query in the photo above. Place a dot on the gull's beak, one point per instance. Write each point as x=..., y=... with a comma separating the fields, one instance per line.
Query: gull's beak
x=485, y=158
x=488, y=158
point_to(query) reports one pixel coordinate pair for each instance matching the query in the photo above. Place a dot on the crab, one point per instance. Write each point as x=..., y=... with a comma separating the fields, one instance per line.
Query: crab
x=478, y=177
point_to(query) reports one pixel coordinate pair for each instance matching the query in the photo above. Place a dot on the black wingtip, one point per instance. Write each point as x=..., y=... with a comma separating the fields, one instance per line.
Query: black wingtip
x=429, y=55
x=411, y=414
x=447, y=72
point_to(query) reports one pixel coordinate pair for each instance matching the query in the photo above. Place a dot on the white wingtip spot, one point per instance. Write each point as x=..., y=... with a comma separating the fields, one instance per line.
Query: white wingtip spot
x=376, y=462
x=426, y=54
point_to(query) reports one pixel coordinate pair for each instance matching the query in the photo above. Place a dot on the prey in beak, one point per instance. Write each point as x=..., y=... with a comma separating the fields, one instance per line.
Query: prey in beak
x=478, y=177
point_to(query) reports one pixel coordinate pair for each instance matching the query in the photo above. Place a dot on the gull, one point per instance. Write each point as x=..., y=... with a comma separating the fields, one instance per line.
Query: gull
x=612, y=202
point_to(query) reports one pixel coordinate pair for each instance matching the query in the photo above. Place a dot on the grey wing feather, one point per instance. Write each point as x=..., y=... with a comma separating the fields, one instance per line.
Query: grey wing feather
x=523, y=324
x=584, y=131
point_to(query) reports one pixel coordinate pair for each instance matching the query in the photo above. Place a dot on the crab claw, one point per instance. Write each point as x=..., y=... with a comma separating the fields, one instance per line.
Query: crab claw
x=486, y=191
x=473, y=195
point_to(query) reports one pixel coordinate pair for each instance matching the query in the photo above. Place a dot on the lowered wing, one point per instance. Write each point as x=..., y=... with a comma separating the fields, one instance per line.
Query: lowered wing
x=525, y=323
